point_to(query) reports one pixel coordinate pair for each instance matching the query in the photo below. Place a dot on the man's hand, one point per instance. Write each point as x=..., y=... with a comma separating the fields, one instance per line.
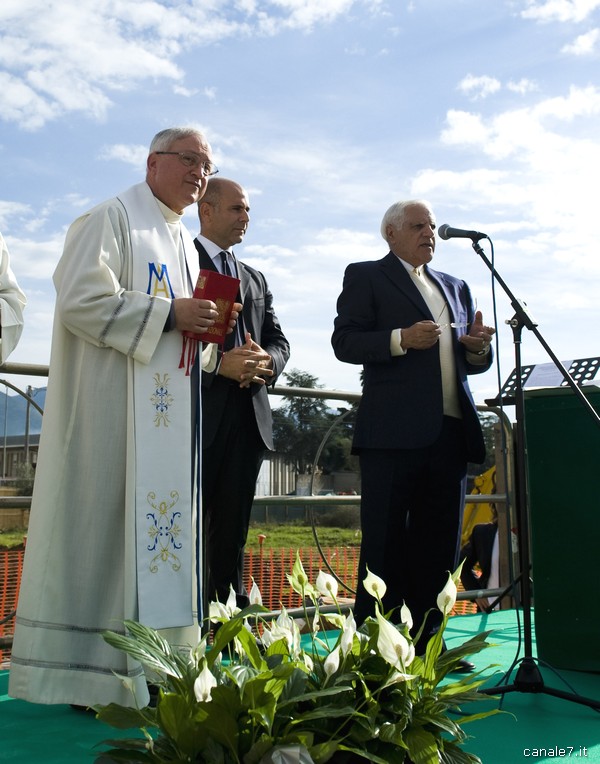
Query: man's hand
x=192, y=315
x=479, y=337
x=247, y=364
x=235, y=314
x=421, y=336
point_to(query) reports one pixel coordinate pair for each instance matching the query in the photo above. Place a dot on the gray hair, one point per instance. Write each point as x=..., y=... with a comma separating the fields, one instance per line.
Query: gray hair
x=397, y=212
x=166, y=138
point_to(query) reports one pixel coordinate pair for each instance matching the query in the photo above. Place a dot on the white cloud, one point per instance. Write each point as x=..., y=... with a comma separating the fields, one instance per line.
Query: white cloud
x=522, y=86
x=583, y=45
x=11, y=210
x=559, y=10
x=509, y=132
x=303, y=14
x=34, y=259
x=479, y=87
x=482, y=87
x=535, y=177
x=133, y=155
x=71, y=56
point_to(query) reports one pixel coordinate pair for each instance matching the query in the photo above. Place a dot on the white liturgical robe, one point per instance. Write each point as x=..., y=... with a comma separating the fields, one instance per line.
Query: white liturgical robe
x=12, y=303
x=83, y=573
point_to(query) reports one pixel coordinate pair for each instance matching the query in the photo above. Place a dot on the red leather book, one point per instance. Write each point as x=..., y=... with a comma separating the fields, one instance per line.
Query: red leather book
x=222, y=290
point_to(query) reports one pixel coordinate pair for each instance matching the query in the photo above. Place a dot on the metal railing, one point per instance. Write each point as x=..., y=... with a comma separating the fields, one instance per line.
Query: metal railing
x=503, y=497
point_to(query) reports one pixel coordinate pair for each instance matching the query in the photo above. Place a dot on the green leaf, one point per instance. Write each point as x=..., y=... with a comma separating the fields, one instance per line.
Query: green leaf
x=224, y=635
x=248, y=642
x=215, y=722
x=117, y=754
x=452, y=754
x=174, y=715
x=327, y=712
x=422, y=746
x=146, y=646
x=125, y=718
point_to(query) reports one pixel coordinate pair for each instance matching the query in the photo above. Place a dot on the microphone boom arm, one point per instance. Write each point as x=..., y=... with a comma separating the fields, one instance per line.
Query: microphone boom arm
x=523, y=317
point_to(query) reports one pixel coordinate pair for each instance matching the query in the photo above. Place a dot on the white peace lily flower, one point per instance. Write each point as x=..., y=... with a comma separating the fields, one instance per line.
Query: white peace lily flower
x=399, y=676
x=326, y=585
x=197, y=653
x=127, y=682
x=299, y=580
x=347, y=637
x=217, y=612
x=285, y=628
x=284, y=622
x=392, y=645
x=332, y=662
x=374, y=585
x=447, y=597
x=231, y=605
x=255, y=596
x=335, y=619
x=308, y=662
x=267, y=638
x=204, y=684
x=406, y=616
x=294, y=645
x=316, y=624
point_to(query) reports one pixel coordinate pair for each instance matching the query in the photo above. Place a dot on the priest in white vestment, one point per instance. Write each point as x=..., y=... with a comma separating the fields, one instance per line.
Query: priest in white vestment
x=113, y=529
x=12, y=303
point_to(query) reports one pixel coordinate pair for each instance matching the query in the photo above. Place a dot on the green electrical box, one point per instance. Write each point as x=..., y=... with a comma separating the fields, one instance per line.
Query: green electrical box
x=562, y=442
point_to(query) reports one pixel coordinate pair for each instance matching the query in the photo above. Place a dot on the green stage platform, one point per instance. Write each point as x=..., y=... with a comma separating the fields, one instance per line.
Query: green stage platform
x=535, y=728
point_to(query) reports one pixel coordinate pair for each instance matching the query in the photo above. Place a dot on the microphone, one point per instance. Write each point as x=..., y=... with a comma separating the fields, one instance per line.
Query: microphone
x=447, y=232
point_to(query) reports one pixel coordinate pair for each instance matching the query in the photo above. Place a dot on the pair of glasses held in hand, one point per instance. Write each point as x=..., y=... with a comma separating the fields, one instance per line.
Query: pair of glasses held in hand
x=452, y=324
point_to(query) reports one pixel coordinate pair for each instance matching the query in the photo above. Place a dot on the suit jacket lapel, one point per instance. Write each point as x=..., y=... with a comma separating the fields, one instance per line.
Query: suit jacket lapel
x=205, y=259
x=400, y=277
x=243, y=277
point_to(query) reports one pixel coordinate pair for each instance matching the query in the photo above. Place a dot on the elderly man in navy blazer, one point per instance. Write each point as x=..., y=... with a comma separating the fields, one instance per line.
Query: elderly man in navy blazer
x=417, y=334
x=237, y=425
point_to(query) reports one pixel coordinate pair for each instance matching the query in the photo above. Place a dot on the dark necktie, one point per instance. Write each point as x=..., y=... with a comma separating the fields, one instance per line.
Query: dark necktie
x=225, y=264
x=236, y=336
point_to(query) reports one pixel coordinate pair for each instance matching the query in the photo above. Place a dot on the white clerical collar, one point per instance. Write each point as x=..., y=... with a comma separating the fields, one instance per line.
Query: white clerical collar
x=169, y=215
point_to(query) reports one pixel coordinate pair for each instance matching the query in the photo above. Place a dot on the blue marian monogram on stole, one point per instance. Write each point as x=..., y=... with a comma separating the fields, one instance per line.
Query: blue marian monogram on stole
x=164, y=531
x=161, y=399
x=159, y=283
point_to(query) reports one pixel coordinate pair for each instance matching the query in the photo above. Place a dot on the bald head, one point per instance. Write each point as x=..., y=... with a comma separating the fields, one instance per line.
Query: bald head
x=223, y=212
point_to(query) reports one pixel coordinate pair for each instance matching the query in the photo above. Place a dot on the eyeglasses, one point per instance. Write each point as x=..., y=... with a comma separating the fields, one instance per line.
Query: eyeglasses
x=191, y=160
x=452, y=324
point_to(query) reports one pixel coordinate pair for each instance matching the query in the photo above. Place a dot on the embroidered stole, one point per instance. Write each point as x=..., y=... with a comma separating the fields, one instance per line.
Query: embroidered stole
x=161, y=430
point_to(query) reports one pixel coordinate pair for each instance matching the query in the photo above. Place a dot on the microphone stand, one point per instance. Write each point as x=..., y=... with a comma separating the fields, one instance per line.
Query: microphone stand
x=528, y=677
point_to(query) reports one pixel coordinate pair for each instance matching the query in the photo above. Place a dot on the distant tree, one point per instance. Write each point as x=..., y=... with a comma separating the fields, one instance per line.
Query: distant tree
x=300, y=424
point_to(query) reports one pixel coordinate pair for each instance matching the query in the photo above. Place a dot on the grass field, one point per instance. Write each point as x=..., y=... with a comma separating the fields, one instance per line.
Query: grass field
x=277, y=536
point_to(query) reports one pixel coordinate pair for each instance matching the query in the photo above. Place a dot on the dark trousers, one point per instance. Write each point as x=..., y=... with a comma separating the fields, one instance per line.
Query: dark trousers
x=411, y=512
x=230, y=467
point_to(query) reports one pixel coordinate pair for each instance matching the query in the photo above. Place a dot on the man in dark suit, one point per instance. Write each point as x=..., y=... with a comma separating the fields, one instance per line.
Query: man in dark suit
x=237, y=425
x=418, y=336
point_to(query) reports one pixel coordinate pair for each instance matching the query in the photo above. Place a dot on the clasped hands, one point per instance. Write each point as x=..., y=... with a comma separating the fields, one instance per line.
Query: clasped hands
x=247, y=364
x=425, y=334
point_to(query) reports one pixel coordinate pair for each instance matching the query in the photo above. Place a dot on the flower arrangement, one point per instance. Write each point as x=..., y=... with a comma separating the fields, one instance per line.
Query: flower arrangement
x=353, y=694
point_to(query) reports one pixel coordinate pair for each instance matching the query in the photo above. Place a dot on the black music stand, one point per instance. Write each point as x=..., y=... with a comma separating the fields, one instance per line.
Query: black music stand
x=582, y=370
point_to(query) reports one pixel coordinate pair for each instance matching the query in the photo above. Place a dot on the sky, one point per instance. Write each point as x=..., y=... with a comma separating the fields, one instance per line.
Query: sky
x=327, y=112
